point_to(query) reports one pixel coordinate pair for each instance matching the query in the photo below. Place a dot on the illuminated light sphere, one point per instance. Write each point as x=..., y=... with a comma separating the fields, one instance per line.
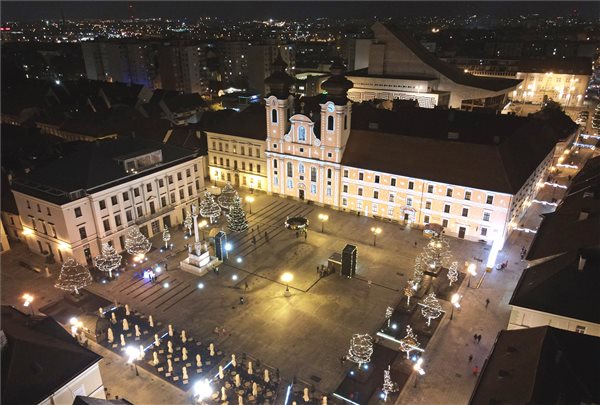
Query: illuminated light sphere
x=228, y=246
x=239, y=260
x=166, y=285
x=202, y=389
x=234, y=277
x=200, y=285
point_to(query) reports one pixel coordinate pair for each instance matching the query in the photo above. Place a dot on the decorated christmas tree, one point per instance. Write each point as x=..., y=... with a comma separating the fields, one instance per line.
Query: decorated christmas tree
x=388, y=385
x=108, y=260
x=228, y=196
x=409, y=291
x=436, y=253
x=73, y=276
x=236, y=219
x=389, y=311
x=188, y=222
x=418, y=271
x=166, y=237
x=209, y=208
x=361, y=349
x=136, y=243
x=453, y=273
x=431, y=308
x=409, y=342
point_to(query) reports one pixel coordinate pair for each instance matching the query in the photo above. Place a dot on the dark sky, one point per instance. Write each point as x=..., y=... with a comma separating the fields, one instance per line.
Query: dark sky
x=33, y=10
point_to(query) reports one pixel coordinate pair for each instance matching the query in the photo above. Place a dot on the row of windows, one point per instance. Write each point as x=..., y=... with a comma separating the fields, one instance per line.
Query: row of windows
x=235, y=165
x=301, y=170
x=44, y=228
x=242, y=149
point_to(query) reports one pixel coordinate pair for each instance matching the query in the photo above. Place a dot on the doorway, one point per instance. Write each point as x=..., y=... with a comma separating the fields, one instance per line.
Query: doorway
x=301, y=194
x=461, y=232
x=167, y=221
x=88, y=256
x=237, y=180
x=152, y=208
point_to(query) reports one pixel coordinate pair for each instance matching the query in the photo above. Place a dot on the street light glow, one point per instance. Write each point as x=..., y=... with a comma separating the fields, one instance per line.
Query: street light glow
x=250, y=199
x=234, y=277
x=28, y=299
x=133, y=353
x=228, y=246
x=202, y=389
x=455, y=300
x=287, y=277
x=471, y=269
x=376, y=231
x=200, y=285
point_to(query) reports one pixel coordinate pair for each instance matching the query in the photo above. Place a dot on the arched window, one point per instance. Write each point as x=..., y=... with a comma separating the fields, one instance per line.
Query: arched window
x=274, y=116
x=300, y=168
x=330, y=123
x=302, y=134
x=328, y=173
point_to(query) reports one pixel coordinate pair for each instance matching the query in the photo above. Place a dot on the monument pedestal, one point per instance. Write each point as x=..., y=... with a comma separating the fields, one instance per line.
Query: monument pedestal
x=199, y=261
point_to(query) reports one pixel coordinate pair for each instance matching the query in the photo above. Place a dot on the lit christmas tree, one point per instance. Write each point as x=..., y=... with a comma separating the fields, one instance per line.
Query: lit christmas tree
x=166, y=237
x=361, y=349
x=388, y=385
x=596, y=118
x=108, y=260
x=409, y=342
x=73, y=276
x=188, y=222
x=388, y=315
x=436, y=253
x=453, y=273
x=409, y=291
x=418, y=271
x=236, y=219
x=136, y=243
x=431, y=308
x=228, y=196
x=209, y=208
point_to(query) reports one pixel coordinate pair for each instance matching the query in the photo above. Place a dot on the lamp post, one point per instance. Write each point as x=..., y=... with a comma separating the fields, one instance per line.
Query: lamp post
x=455, y=303
x=419, y=369
x=75, y=325
x=472, y=272
x=249, y=200
x=323, y=218
x=133, y=353
x=375, y=231
x=287, y=278
x=28, y=299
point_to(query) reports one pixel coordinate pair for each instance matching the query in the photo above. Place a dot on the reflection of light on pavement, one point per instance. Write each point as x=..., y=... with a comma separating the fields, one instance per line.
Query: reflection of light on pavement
x=567, y=166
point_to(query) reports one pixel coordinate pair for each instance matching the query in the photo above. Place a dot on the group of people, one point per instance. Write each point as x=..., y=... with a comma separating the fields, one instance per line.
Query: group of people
x=151, y=275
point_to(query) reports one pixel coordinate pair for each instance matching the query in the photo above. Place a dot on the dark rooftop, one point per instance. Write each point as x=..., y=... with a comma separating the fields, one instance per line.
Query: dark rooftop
x=39, y=358
x=572, y=66
x=249, y=123
x=540, y=365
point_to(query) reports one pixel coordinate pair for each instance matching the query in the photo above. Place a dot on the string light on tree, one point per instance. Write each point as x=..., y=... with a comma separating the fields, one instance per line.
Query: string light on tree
x=73, y=276
x=431, y=308
x=388, y=385
x=409, y=342
x=361, y=349
x=236, y=219
x=418, y=271
x=453, y=273
x=166, y=236
x=436, y=253
x=388, y=315
x=409, y=291
x=228, y=196
x=209, y=208
x=188, y=222
x=137, y=244
x=108, y=260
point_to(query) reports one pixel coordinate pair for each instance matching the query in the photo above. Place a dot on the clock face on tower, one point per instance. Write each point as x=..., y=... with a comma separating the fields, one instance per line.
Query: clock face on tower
x=330, y=108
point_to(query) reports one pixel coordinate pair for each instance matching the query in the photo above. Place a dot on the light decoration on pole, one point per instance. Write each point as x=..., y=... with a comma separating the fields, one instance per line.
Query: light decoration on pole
x=137, y=244
x=409, y=291
x=188, y=222
x=166, y=237
x=471, y=269
x=455, y=300
x=228, y=196
x=375, y=231
x=431, y=308
x=453, y=273
x=236, y=219
x=73, y=276
x=209, y=208
x=287, y=279
x=108, y=260
x=361, y=349
x=133, y=353
x=418, y=366
x=436, y=253
x=388, y=385
x=418, y=272
x=409, y=342
x=389, y=311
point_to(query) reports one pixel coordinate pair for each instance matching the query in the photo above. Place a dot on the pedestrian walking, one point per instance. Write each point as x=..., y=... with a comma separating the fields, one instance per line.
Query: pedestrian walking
x=305, y=235
x=415, y=243
x=241, y=300
x=478, y=339
x=369, y=283
x=487, y=302
x=245, y=286
x=470, y=358
x=266, y=236
x=475, y=371
x=475, y=338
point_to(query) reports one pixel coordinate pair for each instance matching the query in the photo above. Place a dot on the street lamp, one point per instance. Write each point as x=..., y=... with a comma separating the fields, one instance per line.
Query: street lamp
x=75, y=325
x=202, y=390
x=133, y=353
x=287, y=278
x=419, y=369
x=375, y=231
x=203, y=224
x=28, y=298
x=472, y=272
x=250, y=200
x=323, y=218
x=455, y=303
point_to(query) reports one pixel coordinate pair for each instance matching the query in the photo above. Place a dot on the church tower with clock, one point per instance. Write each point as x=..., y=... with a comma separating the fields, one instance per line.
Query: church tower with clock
x=304, y=154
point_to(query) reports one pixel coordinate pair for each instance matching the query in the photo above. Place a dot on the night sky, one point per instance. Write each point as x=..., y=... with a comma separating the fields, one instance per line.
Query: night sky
x=23, y=10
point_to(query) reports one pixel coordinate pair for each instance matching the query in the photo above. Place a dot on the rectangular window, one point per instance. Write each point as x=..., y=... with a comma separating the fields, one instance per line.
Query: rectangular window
x=251, y=166
x=173, y=198
x=39, y=209
x=82, y=233
x=48, y=211
x=344, y=201
x=148, y=187
x=408, y=202
x=430, y=188
x=448, y=192
x=181, y=194
x=390, y=211
x=445, y=223
x=489, y=199
x=140, y=212
x=249, y=151
x=161, y=183
x=345, y=188
x=118, y=220
x=78, y=212
x=106, y=224
x=128, y=216
x=221, y=146
x=359, y=205
x=345, y=172
x=227, y=162
x=426, y=219
x=376, y=194
x=468, y=195
x=188, y=173
x=486, y=216
x=257, y=168
x=114, y=200
x=328, y=191
x=447, y=208
x=360, y=191
x=427, y=205
x=313, y=174
x=483, y=231
x=244, y=166
x=214, y=161
x=126, y=196
x=375, y=208
x=170, y=178
x=242, y=151
x=361, y=176
x=313, y=188
x=393, y=182
x=198, y=185
x=190, y=191
x=465, y=212
x=290, y=183
x=580, y=329
x=257, y=152
x=28, y=204
x=136, y=192
x=102, y=204
x=377, y=178
x=180, y=177
x=391, y=198
x=163, y=201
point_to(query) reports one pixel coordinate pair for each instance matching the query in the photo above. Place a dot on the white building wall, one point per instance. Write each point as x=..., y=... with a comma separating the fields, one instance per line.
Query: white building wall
x=88, y=383
x=521, y=318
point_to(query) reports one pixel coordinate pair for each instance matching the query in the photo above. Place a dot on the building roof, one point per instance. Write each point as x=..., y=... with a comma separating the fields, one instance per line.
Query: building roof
x=81, y=400
x=557, y=286
x=571, y=66
x=493, y=152
x=541, y=365
x=450, y=71
x=8, y=199
x=92, y=166
x=39, y=358
x=250, y=123
x=184, y=102
x=575, y=223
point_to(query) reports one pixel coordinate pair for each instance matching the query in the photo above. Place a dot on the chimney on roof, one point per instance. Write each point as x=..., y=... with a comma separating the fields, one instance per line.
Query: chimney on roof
x=581, y=263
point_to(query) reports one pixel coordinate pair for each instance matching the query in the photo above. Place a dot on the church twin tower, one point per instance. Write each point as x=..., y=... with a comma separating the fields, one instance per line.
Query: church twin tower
x=304, y=156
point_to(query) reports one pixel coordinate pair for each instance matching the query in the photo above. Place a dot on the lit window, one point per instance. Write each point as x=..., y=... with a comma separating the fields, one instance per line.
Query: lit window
x=302, y=134
x=489, y=199
x=411, y=185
